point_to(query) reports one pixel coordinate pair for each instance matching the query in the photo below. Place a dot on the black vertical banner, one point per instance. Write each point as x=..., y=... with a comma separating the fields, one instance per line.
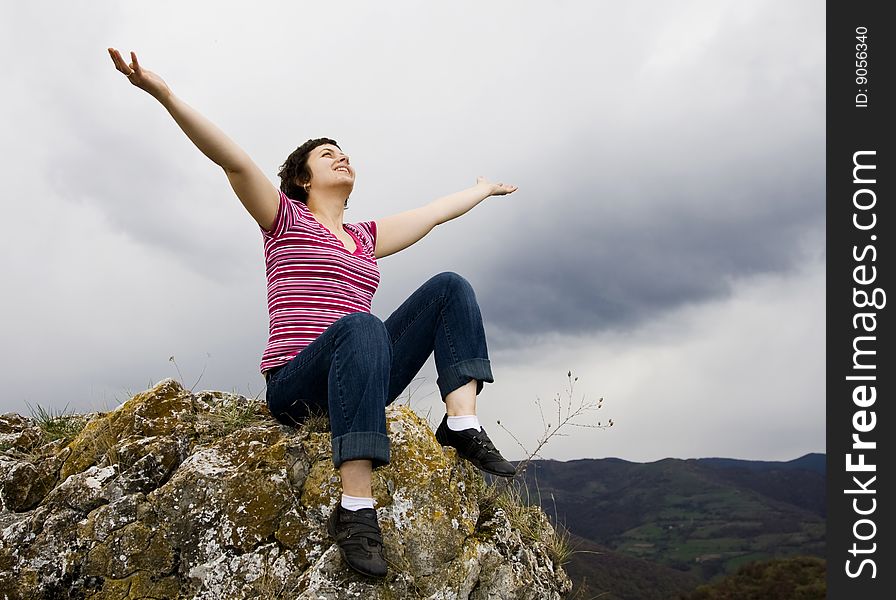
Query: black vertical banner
x=861, y=372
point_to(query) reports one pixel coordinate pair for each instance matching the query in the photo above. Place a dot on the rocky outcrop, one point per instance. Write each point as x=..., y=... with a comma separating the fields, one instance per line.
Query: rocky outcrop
x=205, y=496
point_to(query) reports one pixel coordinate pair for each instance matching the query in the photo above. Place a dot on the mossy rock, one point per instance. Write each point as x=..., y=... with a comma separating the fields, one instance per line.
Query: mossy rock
x=176, y=495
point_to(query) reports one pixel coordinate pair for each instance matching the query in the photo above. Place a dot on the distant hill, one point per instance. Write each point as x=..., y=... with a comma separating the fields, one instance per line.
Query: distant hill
x=793, y=481
x=810, y=462
x=701, y=517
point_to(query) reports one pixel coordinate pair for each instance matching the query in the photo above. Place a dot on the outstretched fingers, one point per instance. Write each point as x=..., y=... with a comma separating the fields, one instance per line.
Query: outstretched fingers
x=134, y=64
x=504, y=188
x=127, y=69
x=497, y=189
x=119, y=62
x=139, y=77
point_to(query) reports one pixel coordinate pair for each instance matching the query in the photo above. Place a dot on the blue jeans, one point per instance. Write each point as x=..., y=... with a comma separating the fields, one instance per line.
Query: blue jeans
x=360, y=364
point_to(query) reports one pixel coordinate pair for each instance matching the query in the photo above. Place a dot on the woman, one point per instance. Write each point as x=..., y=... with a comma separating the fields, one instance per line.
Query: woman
x=325, y=350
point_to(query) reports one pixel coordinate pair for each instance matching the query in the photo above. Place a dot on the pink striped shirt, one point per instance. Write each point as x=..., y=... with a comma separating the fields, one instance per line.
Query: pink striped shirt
x=313, y=279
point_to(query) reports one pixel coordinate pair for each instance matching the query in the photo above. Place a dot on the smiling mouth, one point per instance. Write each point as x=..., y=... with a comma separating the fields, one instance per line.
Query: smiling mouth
x=344, y=170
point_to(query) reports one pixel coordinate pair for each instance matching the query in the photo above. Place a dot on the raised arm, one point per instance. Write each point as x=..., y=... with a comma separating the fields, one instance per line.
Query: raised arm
x=397, y=232
x=254, y=190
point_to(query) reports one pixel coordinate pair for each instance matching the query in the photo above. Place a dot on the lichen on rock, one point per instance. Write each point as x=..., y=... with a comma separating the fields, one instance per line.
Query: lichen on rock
x=205, y=496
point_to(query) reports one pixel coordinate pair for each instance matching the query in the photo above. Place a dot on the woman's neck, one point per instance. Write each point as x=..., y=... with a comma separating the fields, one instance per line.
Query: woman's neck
x=328, y=212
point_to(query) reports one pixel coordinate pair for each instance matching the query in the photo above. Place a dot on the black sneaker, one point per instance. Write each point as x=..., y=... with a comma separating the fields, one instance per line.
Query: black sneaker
x=360, y=541
x=476, y=447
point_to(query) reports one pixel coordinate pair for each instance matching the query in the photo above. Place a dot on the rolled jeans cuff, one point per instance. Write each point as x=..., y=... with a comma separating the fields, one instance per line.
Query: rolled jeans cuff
x=363, y=445
x=460, y=373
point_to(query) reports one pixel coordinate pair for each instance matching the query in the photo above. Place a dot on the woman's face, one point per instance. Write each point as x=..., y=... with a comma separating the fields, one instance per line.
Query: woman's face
x=330, y=168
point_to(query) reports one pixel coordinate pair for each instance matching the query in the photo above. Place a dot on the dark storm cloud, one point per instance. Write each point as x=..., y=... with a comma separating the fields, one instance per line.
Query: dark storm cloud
x=595, y=257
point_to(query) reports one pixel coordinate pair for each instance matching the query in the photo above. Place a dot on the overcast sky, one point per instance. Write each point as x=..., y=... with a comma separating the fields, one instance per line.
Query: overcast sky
x=666, y=243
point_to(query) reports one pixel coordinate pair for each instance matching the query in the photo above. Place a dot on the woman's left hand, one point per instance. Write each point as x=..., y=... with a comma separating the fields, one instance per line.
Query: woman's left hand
x=495, y=189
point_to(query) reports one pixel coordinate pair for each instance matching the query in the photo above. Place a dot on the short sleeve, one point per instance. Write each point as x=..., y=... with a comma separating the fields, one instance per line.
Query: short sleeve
x=368, y=229
x=282, y=222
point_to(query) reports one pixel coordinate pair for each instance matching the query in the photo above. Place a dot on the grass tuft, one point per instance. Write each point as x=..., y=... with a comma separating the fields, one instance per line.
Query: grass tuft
x=57, y=424
x=559, y=545
x=231, y=415
x=316, y=423
x=528, y=518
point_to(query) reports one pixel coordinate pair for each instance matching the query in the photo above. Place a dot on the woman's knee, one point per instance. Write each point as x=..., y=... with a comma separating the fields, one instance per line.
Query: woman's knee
x=455, y=285
x=361, y=320
x=452, y=281
x=365, y=327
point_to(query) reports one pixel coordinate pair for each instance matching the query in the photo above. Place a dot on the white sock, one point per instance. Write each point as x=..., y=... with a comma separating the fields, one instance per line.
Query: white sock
x=355, y=503
x=463, y=422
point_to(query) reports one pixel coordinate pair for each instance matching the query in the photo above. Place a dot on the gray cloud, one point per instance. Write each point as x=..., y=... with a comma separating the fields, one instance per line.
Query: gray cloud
x=587, y=269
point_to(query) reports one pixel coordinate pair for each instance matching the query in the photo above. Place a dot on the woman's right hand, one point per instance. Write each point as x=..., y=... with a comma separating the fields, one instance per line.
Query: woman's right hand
x=142, y=78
